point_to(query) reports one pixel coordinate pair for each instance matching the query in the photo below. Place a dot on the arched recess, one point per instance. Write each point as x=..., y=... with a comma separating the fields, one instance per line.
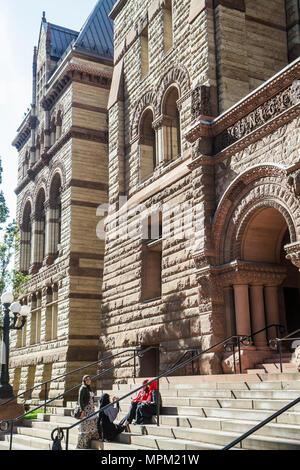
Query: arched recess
x=25, y=238
x=147, y=145
x=176, y=76
x=54, y=216
x=39, y=246
x=171, y=124
x=256, y=218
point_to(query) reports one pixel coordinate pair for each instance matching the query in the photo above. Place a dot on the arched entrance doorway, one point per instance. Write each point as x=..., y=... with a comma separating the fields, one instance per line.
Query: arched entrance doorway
x=275, y=295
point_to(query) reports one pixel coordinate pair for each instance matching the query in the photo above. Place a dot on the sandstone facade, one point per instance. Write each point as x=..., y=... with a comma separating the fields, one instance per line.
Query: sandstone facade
x=63, y=168
x=203, y=138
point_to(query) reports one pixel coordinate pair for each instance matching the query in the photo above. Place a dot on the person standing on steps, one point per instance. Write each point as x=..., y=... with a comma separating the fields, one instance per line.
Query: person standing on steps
x=87, y=429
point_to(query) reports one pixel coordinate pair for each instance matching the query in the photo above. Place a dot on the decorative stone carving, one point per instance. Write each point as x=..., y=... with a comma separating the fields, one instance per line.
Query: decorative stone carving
x=260, y=116
x=201, y=102
x=293, y=253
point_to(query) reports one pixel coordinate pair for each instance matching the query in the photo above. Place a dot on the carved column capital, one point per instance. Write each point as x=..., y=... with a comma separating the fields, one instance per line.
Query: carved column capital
x=293, y=253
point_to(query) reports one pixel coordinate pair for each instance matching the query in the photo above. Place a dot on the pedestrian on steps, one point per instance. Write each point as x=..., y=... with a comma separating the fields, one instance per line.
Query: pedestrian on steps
x=87, y=429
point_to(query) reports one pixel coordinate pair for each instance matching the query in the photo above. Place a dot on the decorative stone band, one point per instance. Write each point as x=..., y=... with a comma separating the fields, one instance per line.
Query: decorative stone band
x=293, y=253
x=273, y=113
x=267, y=108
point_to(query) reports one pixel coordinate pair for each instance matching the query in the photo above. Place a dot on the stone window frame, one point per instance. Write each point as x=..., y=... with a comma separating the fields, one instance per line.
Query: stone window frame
x=140, y=142
x=36, y=318
x=24, y=225
x=51, y=332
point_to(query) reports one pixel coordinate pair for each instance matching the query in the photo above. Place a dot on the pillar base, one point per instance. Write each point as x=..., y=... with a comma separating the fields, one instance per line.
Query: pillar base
x=12, y=410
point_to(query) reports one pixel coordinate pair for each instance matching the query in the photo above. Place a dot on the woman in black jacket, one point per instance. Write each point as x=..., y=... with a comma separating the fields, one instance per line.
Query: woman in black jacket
x=106, y=426
x=88, y=428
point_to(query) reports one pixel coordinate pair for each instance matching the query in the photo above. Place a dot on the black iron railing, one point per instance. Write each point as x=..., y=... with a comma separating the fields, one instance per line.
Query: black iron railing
x=65, y=431
x=262, y=424
x=8, y=424
x=277, y=342
x=27, y=393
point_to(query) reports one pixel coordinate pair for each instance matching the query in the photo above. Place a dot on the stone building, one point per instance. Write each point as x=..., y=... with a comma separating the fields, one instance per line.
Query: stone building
x=203, y=229
x=62, y=179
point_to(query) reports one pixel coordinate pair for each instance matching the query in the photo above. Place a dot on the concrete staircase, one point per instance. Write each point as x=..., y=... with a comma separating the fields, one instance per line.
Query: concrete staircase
x=198, y=413
x=272, y=365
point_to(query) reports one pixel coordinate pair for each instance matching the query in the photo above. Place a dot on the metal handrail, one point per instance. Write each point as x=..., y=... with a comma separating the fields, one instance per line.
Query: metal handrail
x=137, y=352
x=278, y=342
x=61, y=430
x=260, y=425
x=274, y=325
x=29, y=390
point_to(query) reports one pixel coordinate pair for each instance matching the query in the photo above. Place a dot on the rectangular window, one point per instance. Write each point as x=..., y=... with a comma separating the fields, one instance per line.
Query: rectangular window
x=36, y=313
x=168, y=26
x=152, y=257
x=145, y=52
x=51, y=314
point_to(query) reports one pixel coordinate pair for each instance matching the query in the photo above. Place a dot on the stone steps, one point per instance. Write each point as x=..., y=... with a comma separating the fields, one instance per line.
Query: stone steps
x=197, y=413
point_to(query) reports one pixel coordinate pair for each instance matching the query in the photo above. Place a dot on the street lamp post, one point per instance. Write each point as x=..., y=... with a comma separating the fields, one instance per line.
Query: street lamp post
x=12, y=312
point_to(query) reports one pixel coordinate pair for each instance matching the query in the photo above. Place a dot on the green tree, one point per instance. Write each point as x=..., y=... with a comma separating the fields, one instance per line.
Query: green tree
x=9, y=243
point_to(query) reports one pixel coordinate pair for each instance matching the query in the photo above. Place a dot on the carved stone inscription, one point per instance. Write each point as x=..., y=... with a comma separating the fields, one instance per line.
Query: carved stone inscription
x=260, y=116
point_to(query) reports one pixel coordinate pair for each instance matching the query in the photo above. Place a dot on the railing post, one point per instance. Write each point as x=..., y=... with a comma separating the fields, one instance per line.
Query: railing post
x=134, y=364
x=67, y=439
x=11, y=434
x=157, y=404
x=45, y=398
x=234, y=360
x=239, y=349
x=280, y=355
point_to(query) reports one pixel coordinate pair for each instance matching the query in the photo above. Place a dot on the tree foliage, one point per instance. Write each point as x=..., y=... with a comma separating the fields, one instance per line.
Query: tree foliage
x=10, y=279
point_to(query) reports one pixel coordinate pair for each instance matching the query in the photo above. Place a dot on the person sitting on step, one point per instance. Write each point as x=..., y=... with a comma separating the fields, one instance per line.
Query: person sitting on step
x=106, y=426
x=143, y=395
x=146, y=409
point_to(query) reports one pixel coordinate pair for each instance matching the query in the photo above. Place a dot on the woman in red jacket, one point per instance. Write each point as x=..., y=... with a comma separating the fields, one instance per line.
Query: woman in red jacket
x=143, y=395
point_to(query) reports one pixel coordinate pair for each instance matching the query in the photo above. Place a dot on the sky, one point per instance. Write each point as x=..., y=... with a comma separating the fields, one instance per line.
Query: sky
x=20, y=22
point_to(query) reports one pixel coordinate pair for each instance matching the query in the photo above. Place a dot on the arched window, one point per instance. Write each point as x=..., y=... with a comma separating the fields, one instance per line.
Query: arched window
x=54, y=237
x=40, y=227
x=26, y=236
x=171, y=125
x=147, y=145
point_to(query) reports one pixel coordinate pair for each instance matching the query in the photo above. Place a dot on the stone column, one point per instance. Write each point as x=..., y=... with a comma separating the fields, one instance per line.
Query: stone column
x=242, y=310
x=258, y=316
x=272, y=309
x=229, y=311
x=158, y=127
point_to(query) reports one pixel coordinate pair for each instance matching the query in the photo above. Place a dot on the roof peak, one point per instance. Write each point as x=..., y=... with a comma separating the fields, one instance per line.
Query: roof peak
x=96, y=35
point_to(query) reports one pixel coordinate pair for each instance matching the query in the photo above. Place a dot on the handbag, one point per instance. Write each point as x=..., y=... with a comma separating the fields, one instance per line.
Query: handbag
x=77, y=412
x=57, y=440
